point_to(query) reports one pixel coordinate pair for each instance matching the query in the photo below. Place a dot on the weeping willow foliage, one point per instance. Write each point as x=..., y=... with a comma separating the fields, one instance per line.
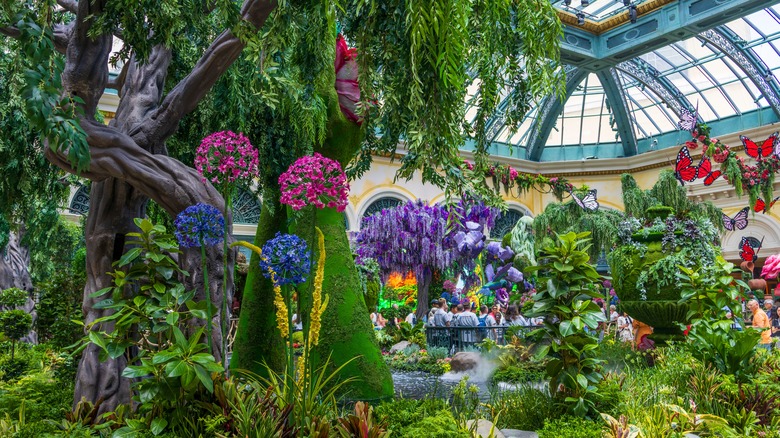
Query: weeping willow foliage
x=562, y=218
x=667, y=191
x=418, y=58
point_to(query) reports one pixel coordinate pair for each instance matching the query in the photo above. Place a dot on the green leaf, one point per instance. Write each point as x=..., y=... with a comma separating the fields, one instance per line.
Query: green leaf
x=181, y=341
x=103, y=291
x=129, y=256
x=115, y=350
x=164, y=356
x=97, y=339
x=582, y=380
x=204, y=377
x=139, y=300
x=176, y=368
x=158, y=425
x=172, y=318
x=160, y=288
x=566, y=328
x=134, y=371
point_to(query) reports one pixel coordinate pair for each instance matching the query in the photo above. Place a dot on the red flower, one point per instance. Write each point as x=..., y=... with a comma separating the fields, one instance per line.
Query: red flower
x=347, y=80
x=687, y=330
x=691, y=144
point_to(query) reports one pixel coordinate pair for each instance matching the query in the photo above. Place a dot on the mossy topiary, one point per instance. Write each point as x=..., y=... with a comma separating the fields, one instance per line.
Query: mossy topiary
x=258, y=341
x=658, y=212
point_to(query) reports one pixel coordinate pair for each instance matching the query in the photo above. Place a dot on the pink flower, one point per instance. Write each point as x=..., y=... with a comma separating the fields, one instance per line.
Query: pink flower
x=314, y=180
x=226, y=157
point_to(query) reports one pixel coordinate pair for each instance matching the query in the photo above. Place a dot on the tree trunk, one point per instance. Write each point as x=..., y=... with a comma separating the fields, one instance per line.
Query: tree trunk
x=258, y=341
x=423, y=286
x=15, y=272
x=346, y=332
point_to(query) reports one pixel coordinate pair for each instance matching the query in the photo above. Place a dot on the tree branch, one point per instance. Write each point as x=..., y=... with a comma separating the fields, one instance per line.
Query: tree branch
x=61, y=34
x=71, y=6
x=225, y=49
x=11, y=31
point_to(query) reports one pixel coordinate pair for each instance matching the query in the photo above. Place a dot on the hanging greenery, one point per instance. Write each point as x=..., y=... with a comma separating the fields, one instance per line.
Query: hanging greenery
x=560, y=218
x=666, y=192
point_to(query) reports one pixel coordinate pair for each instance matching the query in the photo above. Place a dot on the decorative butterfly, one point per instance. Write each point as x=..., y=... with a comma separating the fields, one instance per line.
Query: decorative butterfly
x=688, y=120
x=705, y=171
x=759, y=152
x=684, y=170
x=749, y=247
x=739, y=221
x=588, y=202
x=761, y=206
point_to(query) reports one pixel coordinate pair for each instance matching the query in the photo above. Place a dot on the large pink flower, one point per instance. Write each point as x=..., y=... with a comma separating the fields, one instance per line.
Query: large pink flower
x=347, y=80
x=226, y=157
x=314, y=180
x=771, y=267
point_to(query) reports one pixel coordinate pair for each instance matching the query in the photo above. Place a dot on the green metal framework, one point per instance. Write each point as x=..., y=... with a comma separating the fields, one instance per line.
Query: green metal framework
x=627, y=86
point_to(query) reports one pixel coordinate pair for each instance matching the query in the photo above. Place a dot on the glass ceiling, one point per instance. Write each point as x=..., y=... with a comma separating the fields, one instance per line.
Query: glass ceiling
x=596, y=10
x=729, y=73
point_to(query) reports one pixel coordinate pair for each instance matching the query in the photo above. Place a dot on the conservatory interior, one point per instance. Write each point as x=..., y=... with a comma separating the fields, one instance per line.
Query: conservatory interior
x=384, y=218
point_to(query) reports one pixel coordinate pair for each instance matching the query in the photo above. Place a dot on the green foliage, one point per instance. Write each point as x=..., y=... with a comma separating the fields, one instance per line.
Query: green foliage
x=440, y=425
x=416, y=57
x=15, y=325
x=570, y=427
x=569, y=217
x=667, y=192
x=524, y=408
x=402, y=413
x=173, y=368
x=712, y=292
x=13, y=297
x=566, y=285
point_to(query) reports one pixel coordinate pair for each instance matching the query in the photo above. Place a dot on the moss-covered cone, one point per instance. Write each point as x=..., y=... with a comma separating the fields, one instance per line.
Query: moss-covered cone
x=346, y=331
x=257, y=339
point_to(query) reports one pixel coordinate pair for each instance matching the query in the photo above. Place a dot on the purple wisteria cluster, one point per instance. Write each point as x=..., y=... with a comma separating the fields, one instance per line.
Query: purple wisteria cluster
x=199, y=225
x=314, y=180
x=226, y=157
x=289, y=257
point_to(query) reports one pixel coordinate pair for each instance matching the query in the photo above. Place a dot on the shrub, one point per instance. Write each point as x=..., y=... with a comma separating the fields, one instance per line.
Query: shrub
x=402, y=413
x=570, y=427
x=526, y=408
x=441, y=425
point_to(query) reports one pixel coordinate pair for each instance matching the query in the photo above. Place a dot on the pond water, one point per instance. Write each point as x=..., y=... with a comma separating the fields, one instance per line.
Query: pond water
x=419, y=385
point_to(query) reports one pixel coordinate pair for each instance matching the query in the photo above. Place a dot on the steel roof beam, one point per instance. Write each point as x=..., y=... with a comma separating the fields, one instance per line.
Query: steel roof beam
x=728, y=42
x=616, y=98
x=649, y=76
x=550, y=109
x=675, y=21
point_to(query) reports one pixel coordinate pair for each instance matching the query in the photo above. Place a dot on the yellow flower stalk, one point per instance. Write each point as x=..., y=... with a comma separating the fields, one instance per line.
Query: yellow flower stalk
x=281, y=307
x=317, y=305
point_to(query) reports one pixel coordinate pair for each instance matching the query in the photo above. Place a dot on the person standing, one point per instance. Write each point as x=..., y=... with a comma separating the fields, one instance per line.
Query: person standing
x=761, y=322
x=625, y=328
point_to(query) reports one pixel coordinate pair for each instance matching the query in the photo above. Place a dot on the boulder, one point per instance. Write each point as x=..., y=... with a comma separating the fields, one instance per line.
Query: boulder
x=399, y=346
x=484, y=427
x=464, y=361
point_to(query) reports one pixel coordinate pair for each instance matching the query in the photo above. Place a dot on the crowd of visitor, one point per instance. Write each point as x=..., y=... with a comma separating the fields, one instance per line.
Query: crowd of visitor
x=619, y=326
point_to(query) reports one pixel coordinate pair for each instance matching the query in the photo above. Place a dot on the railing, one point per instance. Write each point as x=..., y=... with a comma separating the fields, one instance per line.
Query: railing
x=459, y=338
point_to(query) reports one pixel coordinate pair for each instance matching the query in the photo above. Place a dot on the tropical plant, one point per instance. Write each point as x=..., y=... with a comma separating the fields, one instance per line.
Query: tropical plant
x=15, y=323
x=712, y=293
x=567, y=284
x=171, y=366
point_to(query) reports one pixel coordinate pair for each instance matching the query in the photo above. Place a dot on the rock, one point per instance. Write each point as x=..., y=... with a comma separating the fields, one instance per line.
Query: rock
x=464, y=361
x=399, y=346
x=514, y=433
x=484, y=428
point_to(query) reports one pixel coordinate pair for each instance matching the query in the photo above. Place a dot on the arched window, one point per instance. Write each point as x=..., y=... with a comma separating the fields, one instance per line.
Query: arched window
x=246, y=207
x=80, y=202
x=381, y=204
x=505, y=222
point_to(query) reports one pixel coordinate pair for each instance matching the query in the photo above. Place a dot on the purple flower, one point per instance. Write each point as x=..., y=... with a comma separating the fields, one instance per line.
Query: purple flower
x=514, y=275
x=199, y=225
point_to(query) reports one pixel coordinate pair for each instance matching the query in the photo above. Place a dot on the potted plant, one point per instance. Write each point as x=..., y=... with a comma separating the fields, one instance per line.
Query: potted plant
x=663, y=231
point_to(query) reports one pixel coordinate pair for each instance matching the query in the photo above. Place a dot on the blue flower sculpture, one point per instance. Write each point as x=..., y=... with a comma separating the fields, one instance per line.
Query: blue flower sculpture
x=288, y=255
x=199, y=225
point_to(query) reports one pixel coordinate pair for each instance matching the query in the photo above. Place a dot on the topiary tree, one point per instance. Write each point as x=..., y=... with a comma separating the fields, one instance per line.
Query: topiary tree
x=173, y=56
x=16, y=323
